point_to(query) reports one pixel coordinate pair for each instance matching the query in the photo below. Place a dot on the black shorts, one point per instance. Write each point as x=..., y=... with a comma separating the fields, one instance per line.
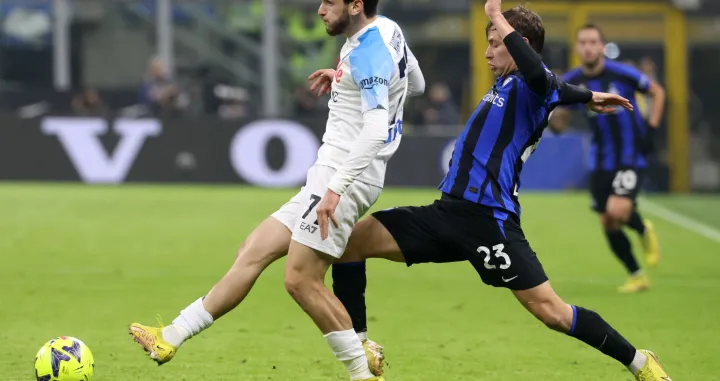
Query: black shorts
x=624, y=183
x=454, y=230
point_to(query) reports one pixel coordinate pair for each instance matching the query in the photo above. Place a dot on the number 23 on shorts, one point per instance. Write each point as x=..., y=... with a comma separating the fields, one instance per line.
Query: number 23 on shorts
x=497, y=252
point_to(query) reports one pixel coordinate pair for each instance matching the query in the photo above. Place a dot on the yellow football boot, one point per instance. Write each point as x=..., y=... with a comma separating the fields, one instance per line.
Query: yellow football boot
x=652, y=370
x=651, y=245
x=151, y=339
x=376, y=378
x=375, y=357
x=635, y=283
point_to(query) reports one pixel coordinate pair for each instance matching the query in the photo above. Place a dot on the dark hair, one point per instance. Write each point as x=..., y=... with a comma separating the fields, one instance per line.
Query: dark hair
x=369, y=7
x=591, y=26
x=527, y=23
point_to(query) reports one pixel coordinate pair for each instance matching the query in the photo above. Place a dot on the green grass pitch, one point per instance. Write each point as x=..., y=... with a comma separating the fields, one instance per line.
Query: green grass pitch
x=87, y=261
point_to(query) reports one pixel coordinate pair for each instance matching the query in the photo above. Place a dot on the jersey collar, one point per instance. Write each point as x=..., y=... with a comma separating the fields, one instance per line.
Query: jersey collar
x=515, y=73
x=355, y=39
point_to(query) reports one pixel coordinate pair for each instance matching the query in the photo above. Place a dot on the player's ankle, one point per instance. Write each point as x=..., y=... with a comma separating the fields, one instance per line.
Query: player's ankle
x=362, y=336
x=348, y=349
x=193, y=320
x=637, y=363
x=175, y=335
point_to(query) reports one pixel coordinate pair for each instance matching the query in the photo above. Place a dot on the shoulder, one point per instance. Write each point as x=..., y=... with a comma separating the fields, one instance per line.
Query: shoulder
x=372, y=53
x=371, y=41
x=573, y=75
x=386, y=26
x=621, y=69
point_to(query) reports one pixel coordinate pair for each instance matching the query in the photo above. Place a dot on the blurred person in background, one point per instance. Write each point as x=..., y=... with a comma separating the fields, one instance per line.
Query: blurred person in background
x=645, y=102
x=441, y=109
x=310, y=46
x=88, y=103
x=309, y=49
x=559, y=122
x=618, y=154
x=307, y=103
x=159, y=92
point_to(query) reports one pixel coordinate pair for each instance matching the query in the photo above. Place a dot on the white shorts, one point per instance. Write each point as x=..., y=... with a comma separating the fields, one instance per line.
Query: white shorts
x=299, y=214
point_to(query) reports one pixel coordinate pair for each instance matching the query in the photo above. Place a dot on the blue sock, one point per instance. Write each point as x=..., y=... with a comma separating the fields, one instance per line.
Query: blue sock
x=591, y=329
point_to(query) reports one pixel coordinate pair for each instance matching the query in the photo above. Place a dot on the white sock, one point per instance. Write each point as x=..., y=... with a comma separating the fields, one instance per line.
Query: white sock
x=637, y=363
x=175, y=335
x=191, y=321
x=362, y=336
x=348, y=349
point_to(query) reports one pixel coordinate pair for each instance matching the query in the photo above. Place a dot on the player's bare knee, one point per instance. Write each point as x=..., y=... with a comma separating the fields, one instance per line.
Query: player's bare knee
x=300, y=286
x=609, y=222
x=619, y=210
x=616, y=215
x=353, y=252
x=254, y=254
x=294, y=283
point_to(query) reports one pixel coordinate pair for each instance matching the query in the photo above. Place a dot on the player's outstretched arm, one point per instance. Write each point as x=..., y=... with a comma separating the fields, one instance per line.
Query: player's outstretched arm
x=604, y=103
x=596, y=101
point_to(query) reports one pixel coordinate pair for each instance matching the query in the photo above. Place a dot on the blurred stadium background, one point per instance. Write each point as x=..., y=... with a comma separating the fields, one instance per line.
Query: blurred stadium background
x=210, y=66
x=207, y=100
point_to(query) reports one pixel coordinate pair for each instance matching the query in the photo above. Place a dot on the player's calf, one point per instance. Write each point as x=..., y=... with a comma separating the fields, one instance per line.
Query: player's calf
x=549, y=309
x=266, y=244
x=304, y=280
x=582, y=324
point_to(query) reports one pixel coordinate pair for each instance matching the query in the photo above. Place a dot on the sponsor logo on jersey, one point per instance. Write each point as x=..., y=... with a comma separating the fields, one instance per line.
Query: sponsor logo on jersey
x=338, y=72
x=495, y=99
x=369, y=83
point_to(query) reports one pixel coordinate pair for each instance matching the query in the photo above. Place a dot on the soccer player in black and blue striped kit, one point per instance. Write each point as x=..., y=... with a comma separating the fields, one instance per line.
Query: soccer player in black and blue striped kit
x=621, y=144
x=477, y=218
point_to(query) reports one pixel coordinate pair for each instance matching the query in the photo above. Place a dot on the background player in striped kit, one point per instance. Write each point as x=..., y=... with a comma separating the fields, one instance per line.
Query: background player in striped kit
x=477, y=217
x=618, y=154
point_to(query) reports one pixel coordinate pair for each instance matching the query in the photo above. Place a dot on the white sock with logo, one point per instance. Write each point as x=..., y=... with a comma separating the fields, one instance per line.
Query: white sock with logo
x=349, y=350
x=191, y=321
x=637, y=363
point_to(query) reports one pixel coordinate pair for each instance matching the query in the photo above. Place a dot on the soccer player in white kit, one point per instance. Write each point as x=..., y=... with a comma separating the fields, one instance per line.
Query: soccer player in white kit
x=375, y=74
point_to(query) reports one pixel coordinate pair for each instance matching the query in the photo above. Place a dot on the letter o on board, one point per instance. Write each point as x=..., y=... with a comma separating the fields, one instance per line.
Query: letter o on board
x=248, y=147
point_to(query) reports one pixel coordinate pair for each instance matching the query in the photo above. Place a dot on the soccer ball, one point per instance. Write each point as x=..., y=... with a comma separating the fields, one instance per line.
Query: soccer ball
x=64, y=359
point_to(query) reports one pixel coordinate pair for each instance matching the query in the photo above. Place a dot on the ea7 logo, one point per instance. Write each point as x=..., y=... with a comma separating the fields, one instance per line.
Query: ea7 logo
x=80, y=137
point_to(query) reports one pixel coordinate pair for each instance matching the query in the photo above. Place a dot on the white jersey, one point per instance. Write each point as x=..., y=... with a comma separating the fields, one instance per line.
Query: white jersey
x=372, y=74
